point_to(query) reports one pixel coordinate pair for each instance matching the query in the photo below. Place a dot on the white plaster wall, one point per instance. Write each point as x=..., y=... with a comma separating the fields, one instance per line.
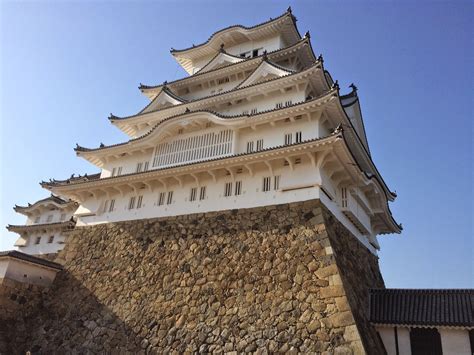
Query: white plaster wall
x=44, y=213
x=269, y=44
x=128, y=164
x=44, y=247
x=26, y=272
x=404, y=344
x=387, y=335
x=455, y=341
x=303, y=175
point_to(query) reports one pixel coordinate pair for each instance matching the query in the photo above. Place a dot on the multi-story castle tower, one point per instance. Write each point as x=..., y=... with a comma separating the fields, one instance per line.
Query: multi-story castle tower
x=258, y=122
x=47, y=220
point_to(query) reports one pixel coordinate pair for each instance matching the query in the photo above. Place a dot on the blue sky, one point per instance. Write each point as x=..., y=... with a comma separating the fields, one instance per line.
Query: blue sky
x=66, y=65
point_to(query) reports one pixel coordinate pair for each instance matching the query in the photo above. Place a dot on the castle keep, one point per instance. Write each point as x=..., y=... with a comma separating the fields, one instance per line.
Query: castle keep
x=240, y=215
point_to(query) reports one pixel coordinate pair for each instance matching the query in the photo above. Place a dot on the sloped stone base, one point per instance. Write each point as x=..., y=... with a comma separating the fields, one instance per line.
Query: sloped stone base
x=286, y=278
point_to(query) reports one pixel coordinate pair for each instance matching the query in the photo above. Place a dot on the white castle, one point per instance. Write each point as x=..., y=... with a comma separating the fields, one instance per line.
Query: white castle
x=258, y=122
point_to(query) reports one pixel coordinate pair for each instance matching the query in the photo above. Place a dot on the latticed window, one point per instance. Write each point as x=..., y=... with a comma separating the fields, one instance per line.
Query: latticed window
x=119, y=171
x=228, y=189
x=253, y=111
x=298, y=137
x=139, y=201
x=288, y=138
x=259, y=145
x=279, y=105
x=276, y=182
x=112, y=205
x=169, y=201
x=145, y=168
x=238, y=188
x=51, y=239
x=131, y=203
x=266, y=184
x=139, y=167
x=202, y=193
x=161, y=198
x=193, y=148
x=288, y=103
x=192, y=195
x=250, y=147
x=38, y=240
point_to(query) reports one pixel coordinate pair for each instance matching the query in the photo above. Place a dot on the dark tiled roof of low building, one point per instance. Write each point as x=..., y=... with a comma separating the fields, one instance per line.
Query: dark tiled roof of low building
x=428, y=307
x=30, y=258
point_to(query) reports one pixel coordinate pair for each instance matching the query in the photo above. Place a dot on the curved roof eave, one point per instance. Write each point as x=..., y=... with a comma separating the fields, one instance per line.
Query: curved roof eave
x=215, y=116
x=55, y=200
x=144, y=88
x=61, y=183
x=216, y=35
x=114, y=118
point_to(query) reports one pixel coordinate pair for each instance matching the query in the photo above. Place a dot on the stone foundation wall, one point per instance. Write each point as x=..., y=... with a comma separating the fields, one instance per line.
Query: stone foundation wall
x=286, y=278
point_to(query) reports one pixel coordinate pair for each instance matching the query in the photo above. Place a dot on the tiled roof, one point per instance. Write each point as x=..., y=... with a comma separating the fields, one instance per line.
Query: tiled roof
x=315, y=64
x=287, y=13
x=30, y=258
x=54, y=182
x=24, y=227
x=269, y=54
x=226, y=117
x=79, y=178
x=53, y=198
x=442, y=307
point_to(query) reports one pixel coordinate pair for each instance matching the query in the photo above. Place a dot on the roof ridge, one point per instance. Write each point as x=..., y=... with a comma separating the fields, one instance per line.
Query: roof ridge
x=220, y=115
x=333, y=134
x=199, y=73
x=316, y=63
x=286, y=13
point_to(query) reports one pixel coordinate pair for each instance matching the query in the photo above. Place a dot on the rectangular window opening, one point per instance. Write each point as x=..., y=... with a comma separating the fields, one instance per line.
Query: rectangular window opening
x=238, y=188
x=192, y=196
x=140, y=201
x=202, y=193
x=161, y=199
x=131, y=203
x=169, y=200
x=228, y=189
x=266, y=184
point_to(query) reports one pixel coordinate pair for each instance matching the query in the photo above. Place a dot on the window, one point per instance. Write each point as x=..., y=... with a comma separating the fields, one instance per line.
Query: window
x=38, y=240
x=139, y=202
x=223, y=81
x=114, y=171
x=279, y=105
x=288, y=103
x=202, y=193
x=259, y=145
x=161, y=199
x=276, y=182
x=298, y=161
x=192, y=196
x=298, y=137
x=253, y=111
x=228, y=189
x=255, y=53
x=266, y=184
x=112, y=204
x=288, y=138
x=425, y=341
x=238, y=188
x=139, y=167
x=180, y=131
x=51, y=239
x=37, y=219
x=131, y=203
x=50, y=218
x=119, y=171
x=170, y=198
x=63, y=217
x=146, y=166
x=249, y=147
x=246, y=112
x=344, y=197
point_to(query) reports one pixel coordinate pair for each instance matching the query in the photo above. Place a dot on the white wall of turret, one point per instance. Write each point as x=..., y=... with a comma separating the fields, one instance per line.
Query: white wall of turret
x=42, y=242
x=247, y=49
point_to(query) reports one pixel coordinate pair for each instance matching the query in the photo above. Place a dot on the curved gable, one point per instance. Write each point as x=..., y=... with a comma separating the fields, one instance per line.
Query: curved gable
x=165, y=98
x=220, y=60
x=264, y=72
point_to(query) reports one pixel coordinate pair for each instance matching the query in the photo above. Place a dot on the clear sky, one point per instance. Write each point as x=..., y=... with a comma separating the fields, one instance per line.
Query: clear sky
x=66, y=65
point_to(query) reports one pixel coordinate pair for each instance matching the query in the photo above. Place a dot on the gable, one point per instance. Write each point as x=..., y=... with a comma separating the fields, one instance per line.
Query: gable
x=164, y=99
x=264, y=72
x=221, y=60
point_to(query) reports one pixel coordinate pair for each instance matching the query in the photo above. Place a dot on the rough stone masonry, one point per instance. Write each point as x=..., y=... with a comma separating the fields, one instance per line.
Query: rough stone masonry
x=287, y=278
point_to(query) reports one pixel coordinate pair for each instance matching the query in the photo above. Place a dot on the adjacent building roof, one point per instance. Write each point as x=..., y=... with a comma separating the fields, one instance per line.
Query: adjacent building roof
x=44, y=226
x=53, y=199
x=429, y=307
x=29, y=258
